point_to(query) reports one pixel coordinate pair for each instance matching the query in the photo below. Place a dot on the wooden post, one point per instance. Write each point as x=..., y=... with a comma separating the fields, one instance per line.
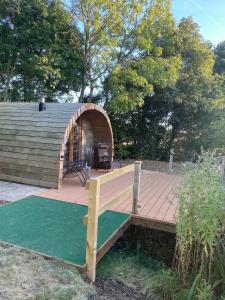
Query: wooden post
x=80, y=138
x=171, y=160
x=92, y=228
x=71, y=146
x=136, y=188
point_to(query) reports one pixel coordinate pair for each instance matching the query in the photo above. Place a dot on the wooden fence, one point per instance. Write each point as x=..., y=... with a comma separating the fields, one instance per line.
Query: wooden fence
x=95, y=209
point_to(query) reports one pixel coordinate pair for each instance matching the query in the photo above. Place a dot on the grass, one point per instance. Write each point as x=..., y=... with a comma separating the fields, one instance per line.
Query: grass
x=151, y=277
x=200, y=247
x=25, y=275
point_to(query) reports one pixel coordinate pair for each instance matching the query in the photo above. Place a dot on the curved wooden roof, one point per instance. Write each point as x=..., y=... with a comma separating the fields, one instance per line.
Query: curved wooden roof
x=32, y=143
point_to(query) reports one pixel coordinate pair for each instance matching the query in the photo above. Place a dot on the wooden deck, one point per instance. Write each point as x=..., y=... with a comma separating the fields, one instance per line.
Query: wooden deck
x=158, y=201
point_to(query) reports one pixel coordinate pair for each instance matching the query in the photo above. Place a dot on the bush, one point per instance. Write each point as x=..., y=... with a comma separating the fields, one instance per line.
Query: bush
x=201, y=229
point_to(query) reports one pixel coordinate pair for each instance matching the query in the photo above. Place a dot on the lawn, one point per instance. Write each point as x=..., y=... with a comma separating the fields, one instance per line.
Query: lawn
x=25, y=275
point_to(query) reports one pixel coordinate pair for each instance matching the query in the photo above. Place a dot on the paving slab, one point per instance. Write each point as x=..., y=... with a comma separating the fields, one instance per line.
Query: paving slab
x=10, y=191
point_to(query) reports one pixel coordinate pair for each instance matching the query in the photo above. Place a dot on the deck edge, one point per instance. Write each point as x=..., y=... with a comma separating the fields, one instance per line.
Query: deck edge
x=112, y=239
x=153, y=224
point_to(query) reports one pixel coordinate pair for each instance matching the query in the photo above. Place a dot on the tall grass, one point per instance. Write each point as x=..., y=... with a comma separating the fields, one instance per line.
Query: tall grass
x=200, y=247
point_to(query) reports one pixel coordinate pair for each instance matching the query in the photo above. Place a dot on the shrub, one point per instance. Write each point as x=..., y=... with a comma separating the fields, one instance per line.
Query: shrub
x=201, y=228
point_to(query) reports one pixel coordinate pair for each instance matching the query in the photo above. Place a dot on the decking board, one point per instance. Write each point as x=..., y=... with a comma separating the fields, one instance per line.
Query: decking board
x=152, y=196
x=158, y=199
x=161, y=200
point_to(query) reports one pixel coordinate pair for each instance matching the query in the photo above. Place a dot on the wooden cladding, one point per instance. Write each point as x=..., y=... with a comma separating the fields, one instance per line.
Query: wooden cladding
x=32, y=143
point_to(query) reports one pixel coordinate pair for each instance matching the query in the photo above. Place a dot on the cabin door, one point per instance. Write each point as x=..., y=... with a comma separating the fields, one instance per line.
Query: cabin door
x=80, y=144
x=73, y=146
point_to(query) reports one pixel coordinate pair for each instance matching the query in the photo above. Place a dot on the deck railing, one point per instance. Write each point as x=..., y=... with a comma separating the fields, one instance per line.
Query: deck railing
x=95, y=209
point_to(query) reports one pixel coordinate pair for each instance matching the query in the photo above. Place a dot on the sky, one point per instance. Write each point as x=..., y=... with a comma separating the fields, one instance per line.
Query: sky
x=209, y=14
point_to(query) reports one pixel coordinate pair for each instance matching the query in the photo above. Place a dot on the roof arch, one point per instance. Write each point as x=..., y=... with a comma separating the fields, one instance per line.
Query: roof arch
x=32, y=143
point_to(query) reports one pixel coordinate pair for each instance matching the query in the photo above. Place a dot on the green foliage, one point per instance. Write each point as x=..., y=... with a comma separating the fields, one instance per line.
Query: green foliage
x=201, y=229
x=166, y=283
x=178, y=111
x=205, y=291
x=128, y=47
x=199, y=60
x=161, y=82
x=39, y=50
x=151, y=62
x=142, y=132
x=103, y=25
x=135, y=270
x=199, y=262
x=193, y=287
x=217, y=122
x=196, y=91
x=220, y=58
x=127, y=84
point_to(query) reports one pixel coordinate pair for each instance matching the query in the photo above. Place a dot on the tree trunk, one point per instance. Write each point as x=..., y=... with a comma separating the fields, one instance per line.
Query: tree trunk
x=81, y=97
x=6, y=96
x=84, y=80
x=91, y=93
x=8, y=79
x=25, y=91
x=106, y=88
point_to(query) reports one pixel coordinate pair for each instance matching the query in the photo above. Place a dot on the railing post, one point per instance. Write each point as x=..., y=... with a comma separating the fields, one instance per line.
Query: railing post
x=92, y=228
x=171, y=160
x=136, y=188
x=71, y=146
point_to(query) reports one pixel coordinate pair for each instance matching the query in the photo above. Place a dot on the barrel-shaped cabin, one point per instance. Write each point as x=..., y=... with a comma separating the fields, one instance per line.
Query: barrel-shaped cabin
x=35, y=146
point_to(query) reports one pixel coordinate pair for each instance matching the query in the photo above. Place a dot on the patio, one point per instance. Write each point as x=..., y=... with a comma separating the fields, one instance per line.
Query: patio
x=11, y=191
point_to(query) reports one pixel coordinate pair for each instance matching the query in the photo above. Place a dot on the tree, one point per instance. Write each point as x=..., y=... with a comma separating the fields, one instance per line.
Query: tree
x=100, y=23
x=152, y=63
x=177, y=113
x=114, y=38
x=39, y=50
x=196, y=90
x=219, y=52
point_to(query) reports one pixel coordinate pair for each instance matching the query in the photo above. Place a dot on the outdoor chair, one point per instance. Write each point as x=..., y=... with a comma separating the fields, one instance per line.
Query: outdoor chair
x=118, y=161
x=78, y=168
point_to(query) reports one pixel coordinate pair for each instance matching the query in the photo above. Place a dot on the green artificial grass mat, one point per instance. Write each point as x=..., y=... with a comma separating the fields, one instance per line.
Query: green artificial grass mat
x=54, y=228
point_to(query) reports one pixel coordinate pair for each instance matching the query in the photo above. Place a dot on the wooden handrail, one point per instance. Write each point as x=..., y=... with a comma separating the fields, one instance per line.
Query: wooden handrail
x=116, y=173
x=110, y=203
x=106, y=178
x=94, y=211
x=114, y=199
